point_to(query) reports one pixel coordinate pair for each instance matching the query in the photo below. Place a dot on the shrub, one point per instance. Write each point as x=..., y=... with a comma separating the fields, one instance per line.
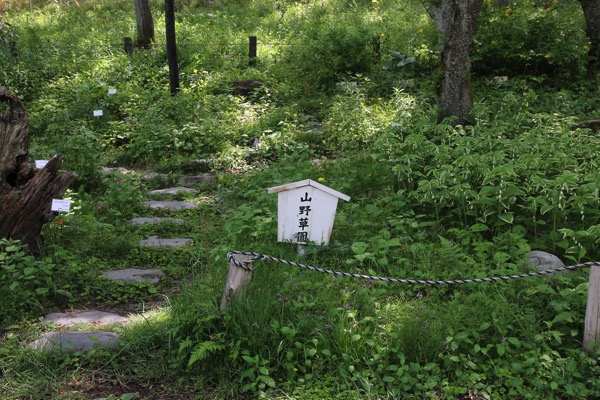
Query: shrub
x=26, y=285
x=527, y=37
x=328, y=47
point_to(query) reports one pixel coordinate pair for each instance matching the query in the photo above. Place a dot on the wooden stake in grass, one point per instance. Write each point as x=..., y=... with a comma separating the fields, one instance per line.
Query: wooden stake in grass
x=237, y=279
x=171, y=46
x=128, y=45
x=252, y=44
x=591, y=334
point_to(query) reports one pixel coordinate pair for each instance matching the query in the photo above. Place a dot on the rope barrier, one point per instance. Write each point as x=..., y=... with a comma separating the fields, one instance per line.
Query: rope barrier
x=258, y=256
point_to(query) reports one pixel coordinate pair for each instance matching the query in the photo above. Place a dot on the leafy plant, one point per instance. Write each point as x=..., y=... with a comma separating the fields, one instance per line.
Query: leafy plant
x=400, y=63
x=28, y=285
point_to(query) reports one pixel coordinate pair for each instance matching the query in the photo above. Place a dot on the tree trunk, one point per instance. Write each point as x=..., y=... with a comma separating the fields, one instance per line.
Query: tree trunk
x=591, y=13
x=25, y=196
x=455, y=22
x=145, y=24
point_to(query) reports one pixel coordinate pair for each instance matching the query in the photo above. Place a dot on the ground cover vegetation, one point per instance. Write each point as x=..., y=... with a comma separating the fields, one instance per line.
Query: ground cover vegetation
x=348, y=99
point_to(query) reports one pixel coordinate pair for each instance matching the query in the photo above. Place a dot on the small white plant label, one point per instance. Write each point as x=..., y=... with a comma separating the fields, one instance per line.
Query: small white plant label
x=112, y=91
x=98, y=113
x=61, y=205
x=39, y=164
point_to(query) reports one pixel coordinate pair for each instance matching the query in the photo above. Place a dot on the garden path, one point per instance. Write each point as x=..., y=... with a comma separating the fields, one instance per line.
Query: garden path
x=66, y=334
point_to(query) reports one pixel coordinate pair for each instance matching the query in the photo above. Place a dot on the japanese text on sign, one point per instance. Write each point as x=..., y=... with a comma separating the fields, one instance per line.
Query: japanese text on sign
x=303, y=212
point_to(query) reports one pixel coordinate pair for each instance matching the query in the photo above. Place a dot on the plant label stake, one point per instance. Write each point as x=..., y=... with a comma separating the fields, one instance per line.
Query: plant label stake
x=305, y=211
x=39, y=164
x=60, y=205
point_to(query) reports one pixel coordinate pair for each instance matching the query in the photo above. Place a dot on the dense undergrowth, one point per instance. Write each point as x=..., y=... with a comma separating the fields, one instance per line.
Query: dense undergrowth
x=348, y=99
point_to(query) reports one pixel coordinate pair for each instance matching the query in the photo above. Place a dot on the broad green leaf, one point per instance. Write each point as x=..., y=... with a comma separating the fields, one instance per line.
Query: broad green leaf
x=508, y=218
x=488, y=191
x=545, y=208
x=269, y=381
x=500, y=349
x=249, y=359
x=480, y=228
x=359, y=247
x=501, y=257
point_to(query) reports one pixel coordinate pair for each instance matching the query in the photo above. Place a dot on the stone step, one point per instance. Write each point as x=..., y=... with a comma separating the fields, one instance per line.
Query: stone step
x=153, y=175
x=196, y=179
x=154, y=221
x=70, y=342
x=210, y=161
x=151, y=276
x=78, y=317
x=171, y=205
x=172, y=191
x=110, y=170
x=155, y=241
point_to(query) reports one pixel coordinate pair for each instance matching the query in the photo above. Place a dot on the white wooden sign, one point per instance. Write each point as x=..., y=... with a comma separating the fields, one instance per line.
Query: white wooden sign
x=98, y=113
x=305, y=211
x=39, y=164
x=61, y=205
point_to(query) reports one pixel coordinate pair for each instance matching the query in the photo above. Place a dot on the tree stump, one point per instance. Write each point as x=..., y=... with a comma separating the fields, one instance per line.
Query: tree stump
x=592, y=124
x=25, y=194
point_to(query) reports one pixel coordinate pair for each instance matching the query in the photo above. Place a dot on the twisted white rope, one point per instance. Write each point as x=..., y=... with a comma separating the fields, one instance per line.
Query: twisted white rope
x=257, y=256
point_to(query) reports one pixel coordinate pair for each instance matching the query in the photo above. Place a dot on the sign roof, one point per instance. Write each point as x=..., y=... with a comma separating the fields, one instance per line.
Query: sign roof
x=308, y=182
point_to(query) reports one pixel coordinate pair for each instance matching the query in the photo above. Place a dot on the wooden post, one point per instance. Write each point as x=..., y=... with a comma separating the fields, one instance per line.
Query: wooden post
x=591, y=334
x=252, y=50
x=128, y=44
x=171, y=46
x=237, y=279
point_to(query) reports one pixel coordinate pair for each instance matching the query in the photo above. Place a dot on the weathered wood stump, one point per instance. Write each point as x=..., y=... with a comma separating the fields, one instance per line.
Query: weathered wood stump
x=25, y=194
x=592, y=124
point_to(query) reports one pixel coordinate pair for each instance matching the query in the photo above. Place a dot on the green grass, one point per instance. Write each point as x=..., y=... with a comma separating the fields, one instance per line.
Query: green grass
x=427, y=202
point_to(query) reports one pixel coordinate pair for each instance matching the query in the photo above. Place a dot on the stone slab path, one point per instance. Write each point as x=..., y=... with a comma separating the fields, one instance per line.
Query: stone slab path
x=156, y=242
x=81, y=317
x=73, y=341
x=70, y=342
x=172, y=191
x=154, y=221
x=135, y=275
x=171, y=205
x=194, y=179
